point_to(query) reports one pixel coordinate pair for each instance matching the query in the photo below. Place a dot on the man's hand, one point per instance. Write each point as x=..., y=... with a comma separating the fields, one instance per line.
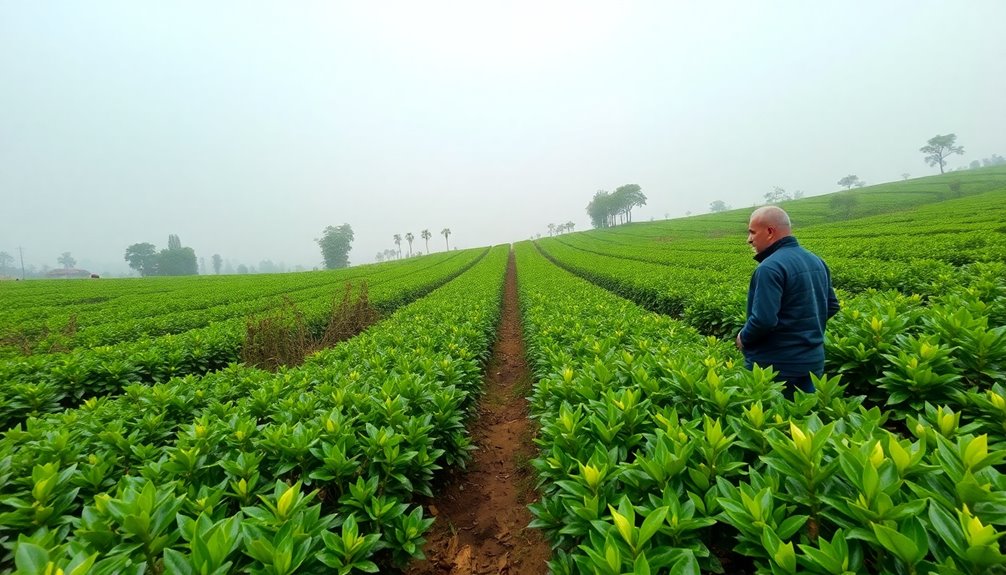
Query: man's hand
x=740, y=344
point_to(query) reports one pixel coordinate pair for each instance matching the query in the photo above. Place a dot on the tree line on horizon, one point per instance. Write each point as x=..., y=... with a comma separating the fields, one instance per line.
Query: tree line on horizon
x=608, y=209
x=336, y=242
x=389, y=254
x=175, y=260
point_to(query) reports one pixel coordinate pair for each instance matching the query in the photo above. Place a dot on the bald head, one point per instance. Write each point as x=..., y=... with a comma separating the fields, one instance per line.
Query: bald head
x=772, y=216
x=768, y=224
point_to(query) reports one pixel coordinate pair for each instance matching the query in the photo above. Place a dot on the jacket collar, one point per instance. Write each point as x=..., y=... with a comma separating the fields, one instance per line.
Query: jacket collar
x=784, y=242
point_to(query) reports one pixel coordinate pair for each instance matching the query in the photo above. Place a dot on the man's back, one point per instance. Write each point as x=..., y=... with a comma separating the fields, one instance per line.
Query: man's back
x=789, y=302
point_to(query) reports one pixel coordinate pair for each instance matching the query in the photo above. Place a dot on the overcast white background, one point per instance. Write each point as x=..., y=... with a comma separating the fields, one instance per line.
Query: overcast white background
x=247, y=127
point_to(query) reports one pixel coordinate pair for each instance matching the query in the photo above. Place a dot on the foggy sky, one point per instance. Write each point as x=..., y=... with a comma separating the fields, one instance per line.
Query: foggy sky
x=247, y=127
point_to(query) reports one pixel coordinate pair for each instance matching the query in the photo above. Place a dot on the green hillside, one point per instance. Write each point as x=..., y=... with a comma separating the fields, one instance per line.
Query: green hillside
x=912, y=236
x=869, y=201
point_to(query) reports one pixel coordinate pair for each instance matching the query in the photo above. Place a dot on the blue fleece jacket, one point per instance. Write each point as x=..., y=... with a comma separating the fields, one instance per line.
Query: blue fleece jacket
x=789, y=302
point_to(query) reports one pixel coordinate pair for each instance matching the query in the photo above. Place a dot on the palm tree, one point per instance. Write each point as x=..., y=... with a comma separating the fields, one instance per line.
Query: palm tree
x=446, y=232
x=398, y=242
x=409, y=237
x=426, y=235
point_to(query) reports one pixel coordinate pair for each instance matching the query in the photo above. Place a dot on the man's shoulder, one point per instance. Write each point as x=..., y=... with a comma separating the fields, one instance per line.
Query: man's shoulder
x=788, y=255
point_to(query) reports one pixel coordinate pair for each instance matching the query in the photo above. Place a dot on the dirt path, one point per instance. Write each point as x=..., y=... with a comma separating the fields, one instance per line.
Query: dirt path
x=481, y=514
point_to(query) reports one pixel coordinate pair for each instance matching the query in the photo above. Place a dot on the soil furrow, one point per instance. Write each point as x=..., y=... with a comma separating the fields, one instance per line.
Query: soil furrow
x=481, y=513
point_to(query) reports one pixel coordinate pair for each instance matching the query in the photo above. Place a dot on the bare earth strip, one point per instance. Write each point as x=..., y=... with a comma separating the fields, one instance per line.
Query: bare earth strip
x=481, y=513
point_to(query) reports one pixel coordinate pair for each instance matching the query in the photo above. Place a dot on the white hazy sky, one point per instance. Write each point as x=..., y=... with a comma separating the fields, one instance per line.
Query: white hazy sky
x=247, y=127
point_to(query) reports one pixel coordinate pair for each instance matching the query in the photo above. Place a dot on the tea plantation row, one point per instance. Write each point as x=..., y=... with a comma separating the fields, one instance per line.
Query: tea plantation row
x=660, y=453
x=48, y=383
x=309, y=470
x=40, y=320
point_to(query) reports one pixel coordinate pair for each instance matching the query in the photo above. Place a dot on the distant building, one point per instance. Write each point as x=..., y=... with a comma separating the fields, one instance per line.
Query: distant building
x=67, y=274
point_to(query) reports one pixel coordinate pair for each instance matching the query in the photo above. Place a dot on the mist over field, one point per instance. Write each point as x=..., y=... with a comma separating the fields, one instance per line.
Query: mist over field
x=246, y=128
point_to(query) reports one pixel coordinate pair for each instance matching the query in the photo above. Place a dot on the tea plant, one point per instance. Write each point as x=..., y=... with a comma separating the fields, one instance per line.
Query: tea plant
x=305, y=470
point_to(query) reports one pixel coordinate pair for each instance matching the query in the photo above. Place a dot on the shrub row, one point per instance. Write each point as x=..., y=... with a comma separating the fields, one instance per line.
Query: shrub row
x=180, y=304
x=309, y=470
x=35, y=385
x=660, y=453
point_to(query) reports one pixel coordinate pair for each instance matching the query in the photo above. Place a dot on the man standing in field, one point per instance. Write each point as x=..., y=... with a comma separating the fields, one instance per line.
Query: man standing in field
x=790, y=300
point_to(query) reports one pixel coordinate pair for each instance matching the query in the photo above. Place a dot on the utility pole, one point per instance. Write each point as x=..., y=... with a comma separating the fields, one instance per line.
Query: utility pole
x=21, y=253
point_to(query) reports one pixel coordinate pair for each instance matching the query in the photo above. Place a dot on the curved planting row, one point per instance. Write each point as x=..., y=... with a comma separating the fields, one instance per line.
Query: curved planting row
x=660, y=453
x=641, y=269
x=310, y=470
x=957, y=231
x=714, y=301
x=694, y=295
x=952, y=232
x=49, y=383
x=697, y=269
x=191, y=303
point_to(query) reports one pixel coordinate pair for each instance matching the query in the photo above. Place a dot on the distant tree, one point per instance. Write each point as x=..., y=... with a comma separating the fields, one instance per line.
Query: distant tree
x=380, y=257
x=717, y=206
x=569, y=226
x=409, y=237
x=975, y=164
x=202, y=266
x=6, y=260
x=939, y=148
x=335, y=243
x=777, y=195
x=398, y=244
x=426, y=235
x=242, y=269
x=217, y=262
x=389, y=255
x=843, y=205
x=860, y=184
x=551, y=230
x=609, y=209
x=446, y=232
x=848, y=181
x=177, y=262
x=995, y=160
x=628, y=197
x=600, y=209
x=142, y=258
x=66, y=260
x=905, y=175
x=798, y=195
